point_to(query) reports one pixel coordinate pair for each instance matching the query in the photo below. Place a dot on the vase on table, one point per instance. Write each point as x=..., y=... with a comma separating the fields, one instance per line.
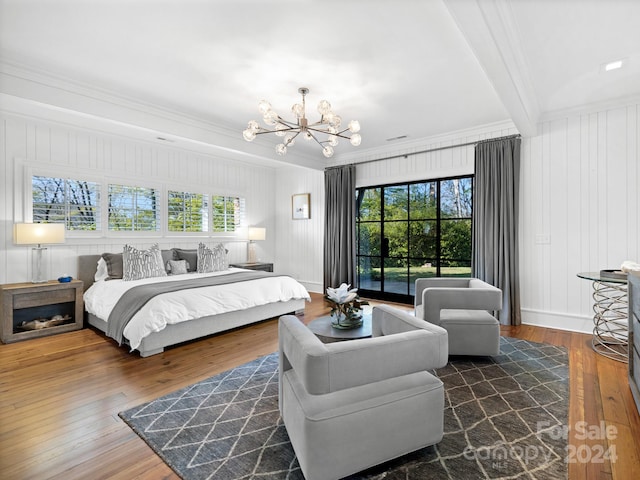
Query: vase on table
x=346, y=311
x=346, y=322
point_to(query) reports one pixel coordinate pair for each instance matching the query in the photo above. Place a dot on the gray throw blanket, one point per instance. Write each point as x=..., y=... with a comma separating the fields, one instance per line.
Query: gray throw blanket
x=135, y=298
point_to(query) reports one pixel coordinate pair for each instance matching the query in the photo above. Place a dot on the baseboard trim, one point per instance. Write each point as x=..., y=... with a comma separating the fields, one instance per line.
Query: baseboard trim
x=557, y=320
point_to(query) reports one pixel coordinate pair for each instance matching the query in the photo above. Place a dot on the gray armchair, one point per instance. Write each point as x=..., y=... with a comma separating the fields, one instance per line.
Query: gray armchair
x=462, y=306
x=348, y=406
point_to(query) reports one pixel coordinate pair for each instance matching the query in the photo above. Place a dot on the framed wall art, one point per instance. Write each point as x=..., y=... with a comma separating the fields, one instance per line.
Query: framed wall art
x=300, y=208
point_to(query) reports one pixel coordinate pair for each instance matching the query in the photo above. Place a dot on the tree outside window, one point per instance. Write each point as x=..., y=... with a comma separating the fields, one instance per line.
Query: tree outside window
x=188, y=212
x=133, y=208
x=75, y=203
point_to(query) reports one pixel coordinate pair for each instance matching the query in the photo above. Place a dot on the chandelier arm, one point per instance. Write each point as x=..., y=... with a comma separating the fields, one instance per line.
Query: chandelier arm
x=342, y=136
x=319, y=122
x=338, y=134
x=314, y=137
x=319, y=130
x=287, y=123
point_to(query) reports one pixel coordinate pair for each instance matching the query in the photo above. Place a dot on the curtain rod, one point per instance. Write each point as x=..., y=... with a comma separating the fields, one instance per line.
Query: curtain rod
x=436, y=149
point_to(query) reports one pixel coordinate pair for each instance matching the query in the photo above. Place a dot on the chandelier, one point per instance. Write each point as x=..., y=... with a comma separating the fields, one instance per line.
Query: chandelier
x=325, y=131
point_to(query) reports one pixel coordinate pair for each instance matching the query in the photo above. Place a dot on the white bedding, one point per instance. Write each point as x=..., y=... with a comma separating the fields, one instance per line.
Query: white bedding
x=183, y=305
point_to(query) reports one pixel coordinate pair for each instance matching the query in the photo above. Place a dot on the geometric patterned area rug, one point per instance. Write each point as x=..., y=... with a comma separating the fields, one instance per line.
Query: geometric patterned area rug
x=502, y=418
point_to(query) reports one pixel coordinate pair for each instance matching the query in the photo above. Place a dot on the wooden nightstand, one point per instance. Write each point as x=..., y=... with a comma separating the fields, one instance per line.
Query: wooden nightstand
x=265, y=267
x=26, y=302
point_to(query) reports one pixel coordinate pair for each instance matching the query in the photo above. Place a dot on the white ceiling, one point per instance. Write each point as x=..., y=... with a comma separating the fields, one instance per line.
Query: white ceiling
x=407, y=67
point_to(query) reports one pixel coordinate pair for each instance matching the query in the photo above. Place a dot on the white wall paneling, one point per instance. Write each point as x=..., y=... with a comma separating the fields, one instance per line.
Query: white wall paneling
x=300, y=247
x=579, y=209
x=32, y=144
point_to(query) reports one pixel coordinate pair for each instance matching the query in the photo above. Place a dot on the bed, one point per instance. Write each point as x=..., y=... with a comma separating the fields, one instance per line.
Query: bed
x=204, y=325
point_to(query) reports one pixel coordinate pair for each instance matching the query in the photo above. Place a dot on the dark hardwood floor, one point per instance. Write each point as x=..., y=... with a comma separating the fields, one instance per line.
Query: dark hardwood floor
x=60, y=398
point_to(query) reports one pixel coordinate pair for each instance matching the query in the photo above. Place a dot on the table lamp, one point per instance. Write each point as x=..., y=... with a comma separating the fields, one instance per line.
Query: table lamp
x=255, y=233
x=37, y=234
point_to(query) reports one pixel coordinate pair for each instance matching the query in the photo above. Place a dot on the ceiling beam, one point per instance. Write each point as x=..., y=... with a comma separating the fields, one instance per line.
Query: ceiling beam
x=490, y=30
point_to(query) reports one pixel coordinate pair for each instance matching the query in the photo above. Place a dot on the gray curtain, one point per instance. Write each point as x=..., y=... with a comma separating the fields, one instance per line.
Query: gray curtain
x=495, y=222
x=339, y=226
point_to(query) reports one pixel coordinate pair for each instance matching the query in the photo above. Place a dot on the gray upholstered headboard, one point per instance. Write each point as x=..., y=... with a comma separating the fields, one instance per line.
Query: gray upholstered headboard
x=87, y=265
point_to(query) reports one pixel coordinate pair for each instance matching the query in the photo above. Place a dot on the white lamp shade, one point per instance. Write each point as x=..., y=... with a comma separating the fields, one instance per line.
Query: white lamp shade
x=257, y=233
x=38, y=233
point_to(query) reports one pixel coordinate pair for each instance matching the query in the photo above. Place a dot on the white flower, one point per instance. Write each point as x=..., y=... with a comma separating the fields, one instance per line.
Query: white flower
x=342, y=294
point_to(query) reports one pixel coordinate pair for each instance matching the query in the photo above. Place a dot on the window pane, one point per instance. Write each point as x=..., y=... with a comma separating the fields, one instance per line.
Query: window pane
x=369, y=238
x=369, y=273
x=396, y=234
x=423, y=200
x=368, y=204
x=72, y=202
x=133, y=208
x=426, y=268
x=228, y=213
x=423, y=239
x=455, y=198
x=455, y=242
x=396, y=276
x=188, y=212
x=396, y=201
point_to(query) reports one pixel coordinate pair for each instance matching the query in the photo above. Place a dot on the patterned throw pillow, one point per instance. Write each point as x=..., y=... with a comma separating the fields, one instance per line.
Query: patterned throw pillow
x=177, y=267
x=139, y=264
x=212, y=259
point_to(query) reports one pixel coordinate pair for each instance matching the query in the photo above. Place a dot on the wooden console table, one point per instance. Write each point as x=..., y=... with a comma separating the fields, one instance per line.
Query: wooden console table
x=26, y=302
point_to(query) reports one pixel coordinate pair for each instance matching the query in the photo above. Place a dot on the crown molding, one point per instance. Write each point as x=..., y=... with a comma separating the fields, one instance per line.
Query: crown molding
x=591, y=108
x=473, y=134
x=40, y=94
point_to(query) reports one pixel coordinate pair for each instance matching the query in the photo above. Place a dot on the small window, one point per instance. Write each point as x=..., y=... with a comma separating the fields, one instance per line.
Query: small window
x=228, y=213
x=188, y=212
x=133, y=208
x=64, y=200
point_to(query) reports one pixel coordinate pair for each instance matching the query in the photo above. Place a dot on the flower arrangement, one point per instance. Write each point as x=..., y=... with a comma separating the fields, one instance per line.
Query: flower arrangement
x=346, y=306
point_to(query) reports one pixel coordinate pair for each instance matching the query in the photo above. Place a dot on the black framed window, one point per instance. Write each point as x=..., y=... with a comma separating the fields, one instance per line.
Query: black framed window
x=412, y=230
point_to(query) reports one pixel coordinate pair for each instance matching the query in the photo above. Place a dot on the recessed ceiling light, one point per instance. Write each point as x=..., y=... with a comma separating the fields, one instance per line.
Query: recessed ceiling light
x=613, y=65
x=396, y=138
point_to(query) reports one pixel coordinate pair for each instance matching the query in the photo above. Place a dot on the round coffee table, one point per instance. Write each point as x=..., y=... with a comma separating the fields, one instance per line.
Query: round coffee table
x=326, y=333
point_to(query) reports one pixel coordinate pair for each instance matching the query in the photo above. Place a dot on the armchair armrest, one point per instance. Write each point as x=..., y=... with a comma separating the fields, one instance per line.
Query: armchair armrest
x=387, y=320
x=336, y=366
x=437, y=282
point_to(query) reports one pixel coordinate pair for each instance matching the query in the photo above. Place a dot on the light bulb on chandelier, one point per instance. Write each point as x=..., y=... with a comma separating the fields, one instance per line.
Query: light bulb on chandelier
x=325, y=132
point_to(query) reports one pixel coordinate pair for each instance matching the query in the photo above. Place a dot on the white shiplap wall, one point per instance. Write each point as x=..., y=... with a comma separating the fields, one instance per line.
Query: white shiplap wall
x=36, y=145
x=300, y=244
x=579, y=211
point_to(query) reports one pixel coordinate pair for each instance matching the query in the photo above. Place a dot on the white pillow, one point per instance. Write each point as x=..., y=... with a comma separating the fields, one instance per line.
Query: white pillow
x=139, y=264
x=102, y=272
